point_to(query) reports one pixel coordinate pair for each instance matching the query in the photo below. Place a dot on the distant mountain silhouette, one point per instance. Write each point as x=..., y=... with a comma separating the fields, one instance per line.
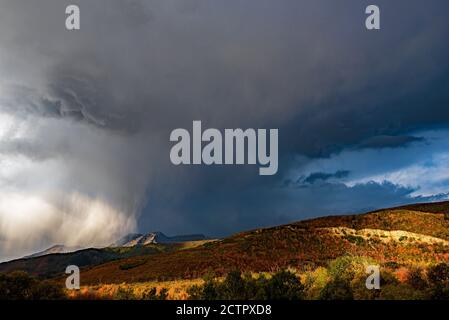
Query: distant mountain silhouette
x=138, y=239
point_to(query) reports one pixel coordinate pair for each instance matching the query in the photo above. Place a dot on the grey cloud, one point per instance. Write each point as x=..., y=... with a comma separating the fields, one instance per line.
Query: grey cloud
x=83, y=99
x=315, y=177
x=385, y=141
x=30, y=149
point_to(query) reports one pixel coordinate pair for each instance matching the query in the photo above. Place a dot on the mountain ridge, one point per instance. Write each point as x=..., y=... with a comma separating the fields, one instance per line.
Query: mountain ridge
x=138, y=239
x=129, y=240
x=57, y=248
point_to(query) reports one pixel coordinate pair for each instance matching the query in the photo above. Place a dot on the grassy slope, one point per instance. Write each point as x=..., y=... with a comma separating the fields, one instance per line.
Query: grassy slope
x=431, y=224
x=54, y=264
x=310, y=242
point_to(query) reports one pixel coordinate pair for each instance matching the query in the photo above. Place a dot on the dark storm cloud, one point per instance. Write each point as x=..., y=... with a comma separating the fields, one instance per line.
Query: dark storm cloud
x=316, y=177
x=264, y=206
x=384, y=141
x=145, y=65
x=109, y=95
x=312, y=178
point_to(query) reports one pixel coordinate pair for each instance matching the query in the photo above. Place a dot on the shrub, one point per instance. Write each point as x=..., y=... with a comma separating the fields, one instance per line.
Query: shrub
x=347, y=267
x=417, y=279
x=440, y=292
x=125, y=293
x=354, y=239
x=438, y=274
x=283, y=285
x=401, y=291
x=392, y=265
x=19, y=285
x=315, y=281
x=337, y=289
x=361, y=292
x=48, y=290
x=152, y=294
x=233, y=287
x=128, y=293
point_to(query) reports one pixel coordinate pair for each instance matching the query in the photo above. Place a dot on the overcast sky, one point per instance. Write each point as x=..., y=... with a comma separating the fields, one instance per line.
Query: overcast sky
x=85, y=116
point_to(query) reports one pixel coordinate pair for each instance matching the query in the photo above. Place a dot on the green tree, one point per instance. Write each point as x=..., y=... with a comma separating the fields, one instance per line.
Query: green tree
x=19, y=285
x=233, y=287
x=284, y=285
x=337, y=289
